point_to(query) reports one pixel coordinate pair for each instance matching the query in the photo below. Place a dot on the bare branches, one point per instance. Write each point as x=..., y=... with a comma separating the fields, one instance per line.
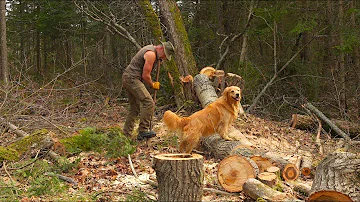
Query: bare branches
x=234, y=37
x=109, y=19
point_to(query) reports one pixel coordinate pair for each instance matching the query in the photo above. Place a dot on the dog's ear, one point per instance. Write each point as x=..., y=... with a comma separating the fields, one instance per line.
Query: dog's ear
x=226, y=91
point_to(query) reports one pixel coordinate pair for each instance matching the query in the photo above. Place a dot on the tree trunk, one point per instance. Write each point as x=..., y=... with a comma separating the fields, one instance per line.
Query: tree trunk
x=338, y=172
x=180, y=177
x=183, y=55
x=304, y=122
x=4, y=68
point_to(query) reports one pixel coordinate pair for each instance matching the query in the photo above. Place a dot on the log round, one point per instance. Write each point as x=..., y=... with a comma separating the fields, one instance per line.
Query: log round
x=180, y=177
x=234, y=170
x=290, y=172
x=337, y=172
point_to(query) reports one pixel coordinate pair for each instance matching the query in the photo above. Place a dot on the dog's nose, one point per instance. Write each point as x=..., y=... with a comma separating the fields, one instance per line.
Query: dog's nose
x=237, y=95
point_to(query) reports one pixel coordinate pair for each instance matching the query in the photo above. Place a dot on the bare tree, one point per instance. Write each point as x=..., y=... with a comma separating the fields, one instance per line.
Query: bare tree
x=4, y=56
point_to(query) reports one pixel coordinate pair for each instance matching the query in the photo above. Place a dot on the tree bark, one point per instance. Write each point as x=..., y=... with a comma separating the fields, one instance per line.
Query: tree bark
x=183, y=55
x=4, y=68
x=180, y=177
x=256, y=189
x=338, y=172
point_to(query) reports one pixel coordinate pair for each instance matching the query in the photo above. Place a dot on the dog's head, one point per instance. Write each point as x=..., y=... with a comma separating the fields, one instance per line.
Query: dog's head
x=232, y=93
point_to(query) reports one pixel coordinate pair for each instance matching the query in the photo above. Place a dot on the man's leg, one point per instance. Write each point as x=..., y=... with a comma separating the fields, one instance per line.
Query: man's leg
x=132, y=115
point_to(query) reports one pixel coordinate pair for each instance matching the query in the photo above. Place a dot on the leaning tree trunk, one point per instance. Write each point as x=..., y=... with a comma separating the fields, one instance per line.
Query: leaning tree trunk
x=337, y=176
x=183, y=54
x=180, y=176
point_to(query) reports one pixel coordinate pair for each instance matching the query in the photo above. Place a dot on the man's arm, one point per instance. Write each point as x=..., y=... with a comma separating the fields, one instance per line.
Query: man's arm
x=149, y=57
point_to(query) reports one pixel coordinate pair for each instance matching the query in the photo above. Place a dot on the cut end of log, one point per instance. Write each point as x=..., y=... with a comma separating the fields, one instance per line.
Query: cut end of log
x=329, y=196
x=273, y=169
x=208, y=71
x=261, y=162
x=306, y=171
x=180, y=156
x=186, y=79
x=233, y=171
x=290, y=172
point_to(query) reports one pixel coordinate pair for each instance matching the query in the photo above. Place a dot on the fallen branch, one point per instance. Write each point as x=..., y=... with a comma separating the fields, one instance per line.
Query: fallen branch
x=13, y=128
x=62, y=177
x=312, y=108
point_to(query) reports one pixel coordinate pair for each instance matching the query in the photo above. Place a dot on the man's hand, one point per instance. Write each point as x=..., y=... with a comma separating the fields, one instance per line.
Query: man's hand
x=156, y=85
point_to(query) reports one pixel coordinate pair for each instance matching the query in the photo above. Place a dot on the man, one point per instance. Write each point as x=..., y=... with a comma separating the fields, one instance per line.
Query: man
x=134, y=78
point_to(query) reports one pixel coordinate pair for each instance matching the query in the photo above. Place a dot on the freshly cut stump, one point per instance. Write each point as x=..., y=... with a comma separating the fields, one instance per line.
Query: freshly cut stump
x=234, y=170
x=180, y=176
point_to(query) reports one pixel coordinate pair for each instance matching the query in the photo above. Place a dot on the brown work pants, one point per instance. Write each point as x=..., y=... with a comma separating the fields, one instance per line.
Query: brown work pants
x=141, y=103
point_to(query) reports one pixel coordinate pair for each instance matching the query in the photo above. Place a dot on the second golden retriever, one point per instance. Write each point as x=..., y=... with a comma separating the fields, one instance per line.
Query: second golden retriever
x=217, y=117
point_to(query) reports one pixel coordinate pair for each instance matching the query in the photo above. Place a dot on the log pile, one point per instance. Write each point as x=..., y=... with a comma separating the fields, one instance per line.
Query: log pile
x=257, y=173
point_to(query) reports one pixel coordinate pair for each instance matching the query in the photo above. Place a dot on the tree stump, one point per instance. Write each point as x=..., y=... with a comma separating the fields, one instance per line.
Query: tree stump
x=234, y=170
x=338, y=172
x=180, y=177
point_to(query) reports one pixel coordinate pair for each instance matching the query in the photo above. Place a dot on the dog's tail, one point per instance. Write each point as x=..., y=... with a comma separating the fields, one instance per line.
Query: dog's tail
x=173, y=121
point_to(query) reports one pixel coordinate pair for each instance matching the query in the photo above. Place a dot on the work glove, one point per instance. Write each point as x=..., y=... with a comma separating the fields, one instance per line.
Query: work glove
x=156, y=85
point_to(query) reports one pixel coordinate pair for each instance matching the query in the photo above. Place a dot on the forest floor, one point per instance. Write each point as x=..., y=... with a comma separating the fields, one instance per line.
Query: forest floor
x=111, y=179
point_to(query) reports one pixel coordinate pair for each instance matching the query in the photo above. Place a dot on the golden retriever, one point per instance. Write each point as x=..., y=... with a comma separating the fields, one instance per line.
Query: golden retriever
x=217, y=117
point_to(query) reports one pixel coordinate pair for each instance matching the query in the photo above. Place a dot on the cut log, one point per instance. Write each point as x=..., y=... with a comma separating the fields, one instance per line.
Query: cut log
x=234, y=170
x=306, y=166
x=301, y=188
x=305, y=122
x=273, y=169
x=261, y=162
x=234, y=80
x=270, y=179
x=257, y=190
x=337, y=172
x=288, y=170
x=180, y=177
x=204, y=90
x=220, y=148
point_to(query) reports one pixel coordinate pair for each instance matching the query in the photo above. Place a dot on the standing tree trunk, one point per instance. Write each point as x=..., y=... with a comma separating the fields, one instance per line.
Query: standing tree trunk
x=183, y=54
x=180, y=176
x=4, y=56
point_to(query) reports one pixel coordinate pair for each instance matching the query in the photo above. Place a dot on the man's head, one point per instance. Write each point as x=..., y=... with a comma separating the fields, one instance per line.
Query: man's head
x=169, y=49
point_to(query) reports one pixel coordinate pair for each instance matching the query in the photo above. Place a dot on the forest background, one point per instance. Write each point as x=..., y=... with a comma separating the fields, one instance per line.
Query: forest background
x=305, y=50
